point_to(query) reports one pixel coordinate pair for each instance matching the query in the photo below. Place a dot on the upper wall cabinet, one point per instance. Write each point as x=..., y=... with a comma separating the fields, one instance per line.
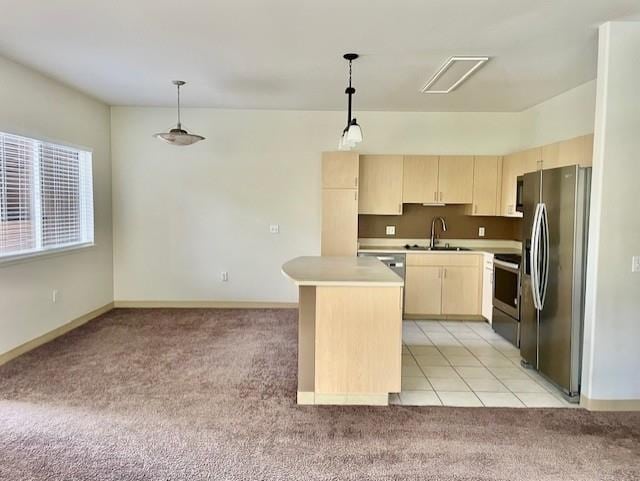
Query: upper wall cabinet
x=420, y=184
x=455, y=179
x=340, y=170
x=576, y=151
x=513, y=166
x=381, y=178
x=487, y=176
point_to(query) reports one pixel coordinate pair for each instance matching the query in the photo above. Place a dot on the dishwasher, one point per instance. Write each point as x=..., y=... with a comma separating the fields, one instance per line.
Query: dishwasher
x=393, y=261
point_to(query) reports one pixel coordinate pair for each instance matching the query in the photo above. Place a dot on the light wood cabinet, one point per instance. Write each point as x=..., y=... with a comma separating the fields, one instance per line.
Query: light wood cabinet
x=380, y=189
x=532, y=160
x=420, y=185
x=340, y=170
x=513, y=166
x=422, y=293
x=339, y=222
x=510, y=171
x=576, y=151
x=358, y=340
x=587, y=151
x=487, y=176
x=487, y=287
x=455, y=179
x=438, y=284
x=461, y=290
x=340, y=173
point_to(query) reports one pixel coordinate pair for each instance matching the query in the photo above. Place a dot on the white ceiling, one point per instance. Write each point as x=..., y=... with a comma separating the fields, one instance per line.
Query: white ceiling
x=287, y=54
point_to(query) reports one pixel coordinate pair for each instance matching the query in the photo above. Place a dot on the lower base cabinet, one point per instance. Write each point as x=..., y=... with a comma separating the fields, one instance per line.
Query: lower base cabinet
x=461, y=291
x=443, y=284
x=420, y=280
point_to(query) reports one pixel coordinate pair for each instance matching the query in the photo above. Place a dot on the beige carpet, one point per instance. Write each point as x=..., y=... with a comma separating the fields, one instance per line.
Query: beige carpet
x=209, y=394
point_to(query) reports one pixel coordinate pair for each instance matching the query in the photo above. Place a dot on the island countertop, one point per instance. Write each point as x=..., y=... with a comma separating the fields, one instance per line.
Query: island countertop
x=340, y=271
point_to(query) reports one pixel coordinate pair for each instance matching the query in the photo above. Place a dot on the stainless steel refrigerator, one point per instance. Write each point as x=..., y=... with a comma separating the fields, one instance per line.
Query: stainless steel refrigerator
x=555, y=205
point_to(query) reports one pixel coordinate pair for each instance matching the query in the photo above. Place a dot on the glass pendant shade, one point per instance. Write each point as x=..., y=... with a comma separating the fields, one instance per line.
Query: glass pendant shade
x=177, y=135
x=354, y=134
x=345, y=143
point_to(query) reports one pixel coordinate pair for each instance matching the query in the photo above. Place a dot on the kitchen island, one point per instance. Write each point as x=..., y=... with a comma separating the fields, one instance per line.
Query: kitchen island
x=349, y=329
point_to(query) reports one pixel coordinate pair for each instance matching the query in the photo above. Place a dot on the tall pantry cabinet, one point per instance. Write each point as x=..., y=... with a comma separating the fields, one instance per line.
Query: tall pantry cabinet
x=340, y=178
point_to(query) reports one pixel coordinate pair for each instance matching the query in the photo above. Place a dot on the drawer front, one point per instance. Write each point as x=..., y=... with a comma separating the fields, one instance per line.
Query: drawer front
x=441, y=259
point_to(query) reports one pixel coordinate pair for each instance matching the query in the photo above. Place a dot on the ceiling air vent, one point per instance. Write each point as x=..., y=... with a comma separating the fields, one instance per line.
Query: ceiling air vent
x=452, y=73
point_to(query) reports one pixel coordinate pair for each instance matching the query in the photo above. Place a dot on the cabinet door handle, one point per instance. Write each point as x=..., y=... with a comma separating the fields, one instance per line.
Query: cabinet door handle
x=445, y=272
x=355, y=196
x=435, y=196
x=356, y=181
x=475, y=208
x=441, y=196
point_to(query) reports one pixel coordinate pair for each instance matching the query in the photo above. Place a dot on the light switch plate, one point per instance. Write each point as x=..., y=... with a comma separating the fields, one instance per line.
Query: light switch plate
x=391, y=230
x=480, y=231
x=635, y=264
x=274, y=228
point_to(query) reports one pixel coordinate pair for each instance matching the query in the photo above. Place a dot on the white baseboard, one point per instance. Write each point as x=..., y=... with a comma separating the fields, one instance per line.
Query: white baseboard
x=207, y=304
x=610, y=404
x=51, y=335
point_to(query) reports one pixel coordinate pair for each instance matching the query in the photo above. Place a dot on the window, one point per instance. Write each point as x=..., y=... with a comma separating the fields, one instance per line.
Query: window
x=46, y=197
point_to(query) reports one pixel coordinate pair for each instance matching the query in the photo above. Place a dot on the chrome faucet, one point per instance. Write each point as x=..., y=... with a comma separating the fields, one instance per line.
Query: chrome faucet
x=434, y=238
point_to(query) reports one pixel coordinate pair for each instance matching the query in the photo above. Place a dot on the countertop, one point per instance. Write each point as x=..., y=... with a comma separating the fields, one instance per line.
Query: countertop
x=472, y=250
x=340, y=271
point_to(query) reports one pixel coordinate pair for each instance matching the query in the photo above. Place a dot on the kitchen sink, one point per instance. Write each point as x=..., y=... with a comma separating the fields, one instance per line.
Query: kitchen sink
x=436, y=248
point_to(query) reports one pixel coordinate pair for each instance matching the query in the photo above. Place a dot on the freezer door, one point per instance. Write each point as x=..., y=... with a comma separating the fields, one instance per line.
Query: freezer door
x=528, y=312
x=556, y=316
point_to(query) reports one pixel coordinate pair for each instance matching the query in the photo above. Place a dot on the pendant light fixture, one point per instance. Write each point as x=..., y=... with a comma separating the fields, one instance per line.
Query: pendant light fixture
x=178, y=136
x=352, y=133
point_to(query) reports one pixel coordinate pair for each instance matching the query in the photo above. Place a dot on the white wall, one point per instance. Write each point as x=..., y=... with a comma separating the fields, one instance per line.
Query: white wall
x=570, y=114
x=183, y=215
x=36, y=106
x=612, y=325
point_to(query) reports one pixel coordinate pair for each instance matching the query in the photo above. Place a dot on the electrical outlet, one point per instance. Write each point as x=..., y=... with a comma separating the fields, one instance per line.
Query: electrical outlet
x=274, y=228
x=54, y=296
x=635, y=264
x=480, y=231
x=224, y=276
x=391, y=230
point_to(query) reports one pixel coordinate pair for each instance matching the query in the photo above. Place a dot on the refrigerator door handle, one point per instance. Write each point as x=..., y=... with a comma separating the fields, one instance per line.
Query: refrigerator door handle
x=544, y=277
x=534, y=258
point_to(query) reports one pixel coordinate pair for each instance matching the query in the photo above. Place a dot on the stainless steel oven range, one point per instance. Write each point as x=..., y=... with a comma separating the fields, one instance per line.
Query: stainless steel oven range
x=506, y=297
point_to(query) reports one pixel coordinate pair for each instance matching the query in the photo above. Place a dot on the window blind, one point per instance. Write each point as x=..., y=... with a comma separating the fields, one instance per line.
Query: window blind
x=46, y=196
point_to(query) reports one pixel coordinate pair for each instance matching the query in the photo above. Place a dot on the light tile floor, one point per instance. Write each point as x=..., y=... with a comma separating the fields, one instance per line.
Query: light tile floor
x=465, y=363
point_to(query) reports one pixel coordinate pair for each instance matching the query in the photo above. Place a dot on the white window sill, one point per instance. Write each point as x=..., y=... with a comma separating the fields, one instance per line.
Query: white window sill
x=33, y=256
